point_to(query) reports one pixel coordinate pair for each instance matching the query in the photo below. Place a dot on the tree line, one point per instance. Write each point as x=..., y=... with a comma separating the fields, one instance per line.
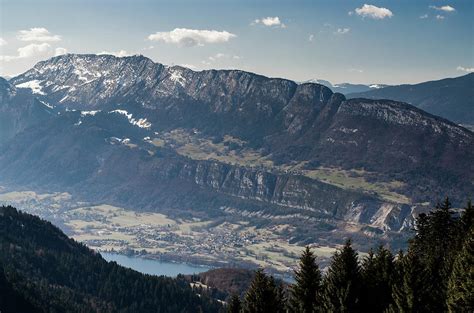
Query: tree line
x=42, y=270
x=435, y=274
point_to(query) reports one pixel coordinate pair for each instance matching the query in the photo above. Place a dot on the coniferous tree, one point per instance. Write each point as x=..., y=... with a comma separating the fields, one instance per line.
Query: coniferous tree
x=306, y=292
x=461, y=283
x=467, y=221
x=411, y=292
x=234, y=305
x=279, y=297
x=263, y=295
x=435, y=244
x=342, y=282
x=378, y=271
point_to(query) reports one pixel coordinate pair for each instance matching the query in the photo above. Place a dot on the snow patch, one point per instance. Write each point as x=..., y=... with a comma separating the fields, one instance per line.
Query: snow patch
x=375, y=86
x=91, y=113
x=124, y=141
x=142, y=122
x=64, y=99
x=57, y=87
x=34, y=85
x=46, y=104
x=348, y=130
x=177, y=77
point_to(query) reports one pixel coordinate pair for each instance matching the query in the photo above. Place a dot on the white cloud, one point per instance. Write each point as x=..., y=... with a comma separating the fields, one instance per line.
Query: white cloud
x=3, y=42
x=355, y=70
x=28, y=51
x=342, y=31
x=192, y=37
x=465, y=69
x=372, y=11
x=37, y=34
x=60, y=51
x=311, y=38
x=120, y=53
x=440, y=17
x=33, y=50
x=444, y=8
x=6, y=58
x=424, y=16
x=190, y=66
x=218, y=56
x=269, y=21
x=221, y=60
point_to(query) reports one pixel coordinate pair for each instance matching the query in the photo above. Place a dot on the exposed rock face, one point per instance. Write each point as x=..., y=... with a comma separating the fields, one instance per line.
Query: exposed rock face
x=100, y=150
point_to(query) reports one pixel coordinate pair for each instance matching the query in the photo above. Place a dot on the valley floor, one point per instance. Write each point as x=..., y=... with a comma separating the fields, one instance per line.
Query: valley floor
x=221, y=243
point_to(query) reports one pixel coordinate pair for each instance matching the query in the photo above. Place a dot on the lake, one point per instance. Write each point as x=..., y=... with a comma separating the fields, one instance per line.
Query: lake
x=154, y=267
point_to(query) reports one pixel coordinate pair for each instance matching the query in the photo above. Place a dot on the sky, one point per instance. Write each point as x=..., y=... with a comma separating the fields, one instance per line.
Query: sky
x=390, y=42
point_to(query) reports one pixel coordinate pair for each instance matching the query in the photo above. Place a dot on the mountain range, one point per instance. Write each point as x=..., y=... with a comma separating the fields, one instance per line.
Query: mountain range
x=228, y=144
x=451, y=98
x=346, y=88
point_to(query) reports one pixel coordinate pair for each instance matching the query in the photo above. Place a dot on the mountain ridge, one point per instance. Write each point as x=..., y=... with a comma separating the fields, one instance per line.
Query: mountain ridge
x=448, y=97
x=139, y=134
x=346, y=88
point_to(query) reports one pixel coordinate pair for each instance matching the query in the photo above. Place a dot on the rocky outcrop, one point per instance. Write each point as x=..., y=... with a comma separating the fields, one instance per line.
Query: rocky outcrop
x=99, y=150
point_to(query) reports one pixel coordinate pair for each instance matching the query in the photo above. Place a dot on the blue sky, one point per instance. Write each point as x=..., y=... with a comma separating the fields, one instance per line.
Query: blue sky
x=402, y=41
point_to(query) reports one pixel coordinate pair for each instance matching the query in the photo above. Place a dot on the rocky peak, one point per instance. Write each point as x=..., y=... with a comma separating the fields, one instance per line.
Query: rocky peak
x=90, y=80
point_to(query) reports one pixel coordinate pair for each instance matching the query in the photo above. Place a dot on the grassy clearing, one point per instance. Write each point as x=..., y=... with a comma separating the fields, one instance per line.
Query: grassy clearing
x=194, y=146
x=231, y=150
x=355, y=180
x=19, y=196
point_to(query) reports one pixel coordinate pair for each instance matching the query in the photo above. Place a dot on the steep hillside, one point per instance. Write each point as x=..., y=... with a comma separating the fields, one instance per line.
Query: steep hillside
x=290, y=124
x=451, y=98
x=19, y=109
x=234, y=144
x=56, y=274
x=230, y=281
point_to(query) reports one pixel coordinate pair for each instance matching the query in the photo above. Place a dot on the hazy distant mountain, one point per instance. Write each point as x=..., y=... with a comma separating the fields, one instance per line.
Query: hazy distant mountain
x=230, y=143
x=451, y=98
x=346, y=88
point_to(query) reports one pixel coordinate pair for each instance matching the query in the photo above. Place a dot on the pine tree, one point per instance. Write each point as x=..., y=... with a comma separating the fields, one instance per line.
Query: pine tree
x=410, y=291
x=234, y=305
x=435, y=244
x=306, y=292
x=263, y=296
x=378, y=271
x=342, y=282
x=277, y=295
x=461, y=283
x=467, y=220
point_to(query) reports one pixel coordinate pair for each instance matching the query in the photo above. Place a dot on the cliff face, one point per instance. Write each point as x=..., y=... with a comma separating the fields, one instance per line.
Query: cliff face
x=117, y=173
x=304, y=196
x=101, y=126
